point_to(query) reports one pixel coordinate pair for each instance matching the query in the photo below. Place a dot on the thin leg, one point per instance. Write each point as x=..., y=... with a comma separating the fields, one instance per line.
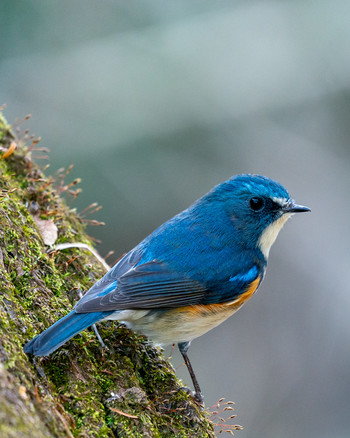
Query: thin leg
x=183, y=347
x=94, y=326
x=99, y=337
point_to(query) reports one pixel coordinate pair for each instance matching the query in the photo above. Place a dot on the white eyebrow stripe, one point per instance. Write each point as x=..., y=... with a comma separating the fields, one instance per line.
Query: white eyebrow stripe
x=280, y=201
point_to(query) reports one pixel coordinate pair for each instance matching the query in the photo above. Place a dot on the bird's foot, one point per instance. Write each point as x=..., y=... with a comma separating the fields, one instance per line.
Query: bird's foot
x=114, y=396
x=197, y=396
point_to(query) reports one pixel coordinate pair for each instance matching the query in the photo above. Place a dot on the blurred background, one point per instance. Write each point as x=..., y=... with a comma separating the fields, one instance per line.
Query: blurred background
x=156, y=102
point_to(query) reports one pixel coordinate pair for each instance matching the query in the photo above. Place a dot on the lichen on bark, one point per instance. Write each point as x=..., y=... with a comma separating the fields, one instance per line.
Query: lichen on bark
x=81, y=390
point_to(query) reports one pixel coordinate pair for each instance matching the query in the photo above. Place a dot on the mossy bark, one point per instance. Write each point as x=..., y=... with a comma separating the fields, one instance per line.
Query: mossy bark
x=81, y=390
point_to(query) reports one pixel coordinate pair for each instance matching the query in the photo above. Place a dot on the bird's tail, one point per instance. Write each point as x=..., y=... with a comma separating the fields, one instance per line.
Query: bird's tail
x=60, y=332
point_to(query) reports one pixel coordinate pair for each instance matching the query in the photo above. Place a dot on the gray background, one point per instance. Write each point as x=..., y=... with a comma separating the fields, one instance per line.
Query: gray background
x=157, y=101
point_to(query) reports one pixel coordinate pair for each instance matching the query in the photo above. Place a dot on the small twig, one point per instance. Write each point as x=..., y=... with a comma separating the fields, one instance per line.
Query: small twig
x=10, y=150
x=61, y=246
x=60, y=416
x=123, y=413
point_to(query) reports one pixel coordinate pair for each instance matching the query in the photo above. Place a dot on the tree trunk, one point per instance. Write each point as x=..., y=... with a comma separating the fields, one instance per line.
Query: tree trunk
x=80, y=390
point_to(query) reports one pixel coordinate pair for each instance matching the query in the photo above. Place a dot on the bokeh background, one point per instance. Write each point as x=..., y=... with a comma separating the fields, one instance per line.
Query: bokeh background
x=157, y=101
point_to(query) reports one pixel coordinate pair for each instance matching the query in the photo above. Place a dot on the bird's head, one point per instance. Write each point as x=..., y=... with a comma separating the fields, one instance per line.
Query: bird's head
x=257, y=206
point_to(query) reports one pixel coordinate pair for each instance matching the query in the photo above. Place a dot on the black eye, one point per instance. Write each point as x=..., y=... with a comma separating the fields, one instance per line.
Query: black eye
x=256, y=204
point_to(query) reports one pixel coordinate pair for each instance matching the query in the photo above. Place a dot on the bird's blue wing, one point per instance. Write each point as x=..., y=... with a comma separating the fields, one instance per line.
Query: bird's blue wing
x=149, y=285
x=134, y=285
x=108, y=282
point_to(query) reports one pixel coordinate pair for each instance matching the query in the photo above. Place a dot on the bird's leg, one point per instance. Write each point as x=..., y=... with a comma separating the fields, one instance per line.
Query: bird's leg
x=183, y=347
x=99, y=337
x=80, y=294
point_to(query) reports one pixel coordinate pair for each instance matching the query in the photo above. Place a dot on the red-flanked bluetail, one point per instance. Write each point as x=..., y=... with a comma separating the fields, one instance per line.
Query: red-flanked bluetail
x=191, y=273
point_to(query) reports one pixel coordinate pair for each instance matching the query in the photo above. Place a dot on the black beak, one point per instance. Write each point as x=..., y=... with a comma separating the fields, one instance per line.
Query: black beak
x=294, y=208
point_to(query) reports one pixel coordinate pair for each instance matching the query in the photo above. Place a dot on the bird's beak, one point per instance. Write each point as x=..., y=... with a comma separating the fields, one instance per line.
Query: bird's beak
x=294, y=208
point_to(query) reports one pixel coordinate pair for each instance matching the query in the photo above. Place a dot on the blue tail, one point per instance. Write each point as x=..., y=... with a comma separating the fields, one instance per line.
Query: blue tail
x=60, y=332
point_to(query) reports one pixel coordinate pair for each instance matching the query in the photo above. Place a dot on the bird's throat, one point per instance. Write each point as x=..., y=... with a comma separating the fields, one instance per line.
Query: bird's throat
x=270, y=234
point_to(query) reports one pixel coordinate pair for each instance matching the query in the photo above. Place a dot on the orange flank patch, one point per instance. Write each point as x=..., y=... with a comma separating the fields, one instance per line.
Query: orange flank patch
x=189, y=322
x=246, y=295
x=230, y=306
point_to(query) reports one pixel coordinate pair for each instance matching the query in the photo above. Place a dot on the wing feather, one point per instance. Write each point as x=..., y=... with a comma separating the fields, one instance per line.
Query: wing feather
x=155, y=285
x=147, y=286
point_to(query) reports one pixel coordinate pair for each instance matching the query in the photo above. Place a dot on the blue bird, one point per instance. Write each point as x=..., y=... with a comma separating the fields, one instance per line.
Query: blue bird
x=191, y=273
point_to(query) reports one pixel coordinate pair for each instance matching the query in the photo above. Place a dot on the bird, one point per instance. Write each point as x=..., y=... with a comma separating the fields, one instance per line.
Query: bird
x=190, y=274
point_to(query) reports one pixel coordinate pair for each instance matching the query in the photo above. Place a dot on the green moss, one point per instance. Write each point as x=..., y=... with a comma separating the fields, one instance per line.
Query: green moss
x=72, y=389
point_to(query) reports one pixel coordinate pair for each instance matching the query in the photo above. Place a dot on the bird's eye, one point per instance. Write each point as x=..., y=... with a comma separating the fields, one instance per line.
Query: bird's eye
x=256, y=204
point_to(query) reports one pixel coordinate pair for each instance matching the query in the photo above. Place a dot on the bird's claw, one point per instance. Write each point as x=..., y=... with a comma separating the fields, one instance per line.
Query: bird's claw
x=197, y=396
